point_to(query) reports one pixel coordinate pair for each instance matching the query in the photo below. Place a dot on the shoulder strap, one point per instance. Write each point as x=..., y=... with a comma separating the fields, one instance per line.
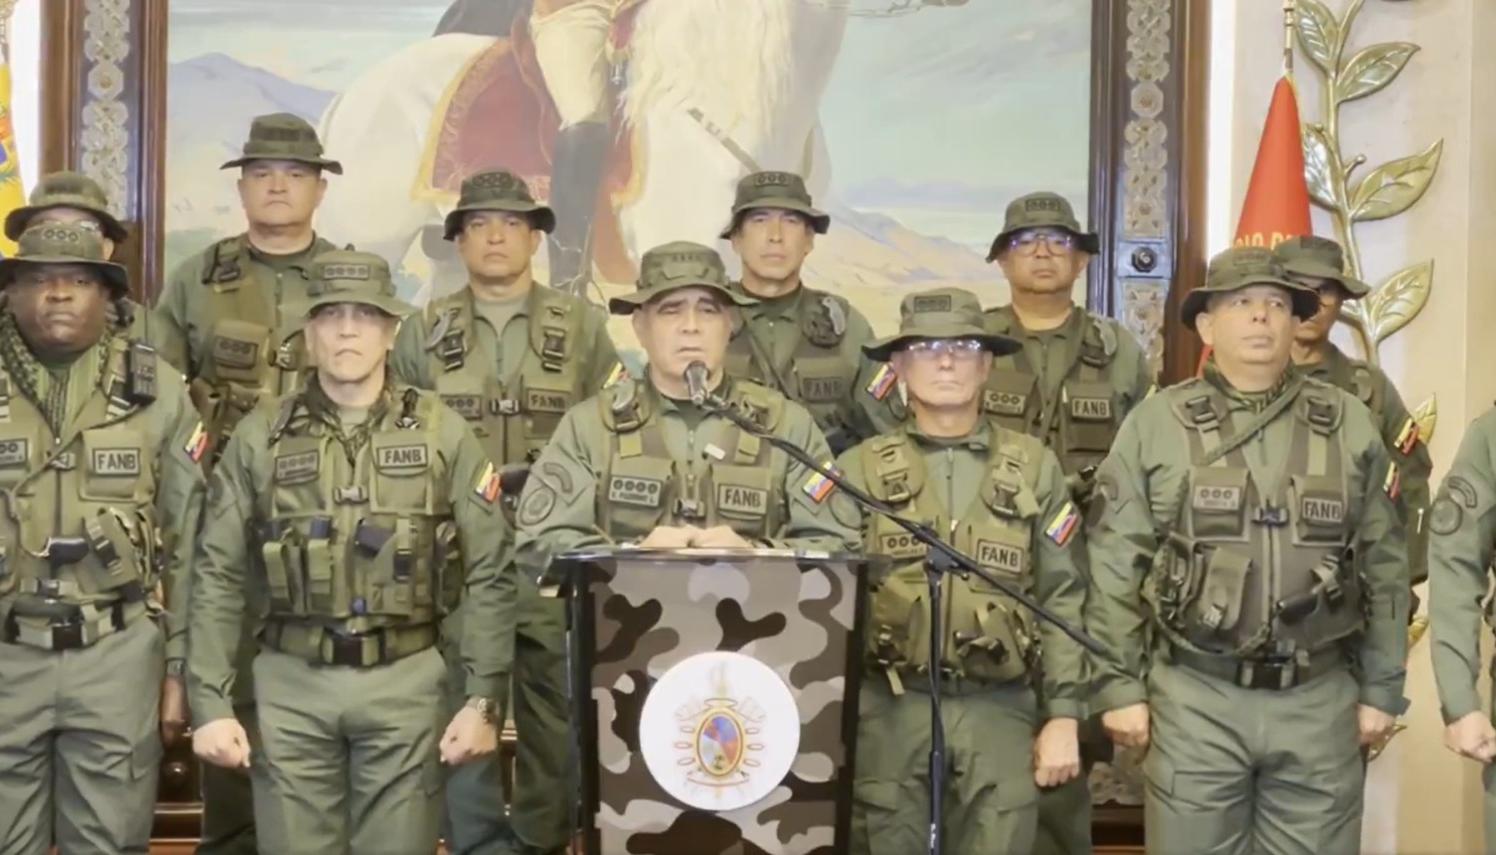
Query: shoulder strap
x=894, y=473
x=289, y=407
x=225, y=260
x=555, y=326
x=1099, y=342
x=1013, y=472
x=761, y=404
x=622, y=408
x=447, y=340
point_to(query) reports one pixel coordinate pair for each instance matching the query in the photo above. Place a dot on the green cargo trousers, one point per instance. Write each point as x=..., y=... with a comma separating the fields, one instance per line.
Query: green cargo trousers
x=228, y=800
x=80, y=743
x=991, y=801
x=539, y=821
x=1234, y=771
x=350, y=759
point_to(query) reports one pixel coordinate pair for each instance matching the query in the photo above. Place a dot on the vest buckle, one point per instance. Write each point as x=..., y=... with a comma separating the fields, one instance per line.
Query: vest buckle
x=1269, y=514
x=356, y=495
x=504, y=407
x=689, y=509
x=66, y=461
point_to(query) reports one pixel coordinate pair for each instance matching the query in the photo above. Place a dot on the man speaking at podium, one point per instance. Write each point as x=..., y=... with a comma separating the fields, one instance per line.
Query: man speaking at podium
x=641, y=464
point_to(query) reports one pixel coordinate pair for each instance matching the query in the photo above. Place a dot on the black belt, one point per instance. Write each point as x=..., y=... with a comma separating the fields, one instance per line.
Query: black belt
x=1277, y=673
x=352, y=649
x=68, y=633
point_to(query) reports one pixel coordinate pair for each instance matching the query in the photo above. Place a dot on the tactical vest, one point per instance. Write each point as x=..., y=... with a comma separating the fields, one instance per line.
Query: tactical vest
x=988, y=637
x=728, y=481
x=79, y=534
x=1255, y=570
x=363, y=542
x=255, y=349
x=819, y=376
x=515, y=415
x=1082, y=423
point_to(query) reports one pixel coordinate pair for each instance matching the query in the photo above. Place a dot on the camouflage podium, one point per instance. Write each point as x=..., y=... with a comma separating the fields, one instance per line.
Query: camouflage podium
x=715, y=698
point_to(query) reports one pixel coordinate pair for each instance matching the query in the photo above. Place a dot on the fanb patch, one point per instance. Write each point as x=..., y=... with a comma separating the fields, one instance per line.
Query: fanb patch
x=15, y=452
x=636, y=491
x=1001, y=556
x=537, y=506
x=402, y=456
x=736, y=498
x=542, y=401
x=1210, y=498
x=1091, y=409
x=931, y=303
x=115, y=461
x=298, y=467
x=1331, y=511
x=1445, y=516
x=822, y=389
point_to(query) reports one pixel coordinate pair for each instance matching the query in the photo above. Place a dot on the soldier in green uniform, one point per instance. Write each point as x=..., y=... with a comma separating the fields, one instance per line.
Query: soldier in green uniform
x=223, y=320
x=101, y=493
x=512, y=357
x=1001, y=496
x=1248, y=576
x=1075, y=379
x=640, y=463
x=1319, y=263
x=367, y=510
x=803, y=343
x=70, y=197
x=1461, y=547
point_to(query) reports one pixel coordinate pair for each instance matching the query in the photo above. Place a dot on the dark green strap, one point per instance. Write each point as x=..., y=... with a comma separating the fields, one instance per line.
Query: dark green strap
x=1258, y=423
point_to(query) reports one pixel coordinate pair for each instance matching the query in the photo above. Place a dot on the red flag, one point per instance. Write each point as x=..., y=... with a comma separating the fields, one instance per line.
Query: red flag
x=1277, y=203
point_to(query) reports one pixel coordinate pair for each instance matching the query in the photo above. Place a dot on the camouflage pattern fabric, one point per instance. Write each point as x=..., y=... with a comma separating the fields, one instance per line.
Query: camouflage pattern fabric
x=799, y=617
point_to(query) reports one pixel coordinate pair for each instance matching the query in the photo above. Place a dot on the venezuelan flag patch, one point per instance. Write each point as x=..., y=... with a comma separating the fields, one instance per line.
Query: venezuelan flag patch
x=1392, y=484
x=1062, y=527
x=882, y=382
x=616, y=375
x=197, y=444
x=489, y=486
x=1408, y=436
x=818, y=486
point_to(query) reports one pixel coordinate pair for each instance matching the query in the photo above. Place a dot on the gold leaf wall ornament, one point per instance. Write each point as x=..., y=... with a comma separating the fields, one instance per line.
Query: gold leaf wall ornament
x=1393, y=187
x=1390, y=306
x=1372, y=69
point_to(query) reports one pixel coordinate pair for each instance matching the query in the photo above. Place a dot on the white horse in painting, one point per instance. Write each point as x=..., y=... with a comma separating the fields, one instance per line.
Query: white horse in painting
x=755, y=71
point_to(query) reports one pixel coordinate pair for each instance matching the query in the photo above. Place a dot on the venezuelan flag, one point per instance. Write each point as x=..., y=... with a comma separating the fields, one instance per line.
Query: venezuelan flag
x=1063, y=525
x=882, y=382
x=12, y=196
x=818, y=486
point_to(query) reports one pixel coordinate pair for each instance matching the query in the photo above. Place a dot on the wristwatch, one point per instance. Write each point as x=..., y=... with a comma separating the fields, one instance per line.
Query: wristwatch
x=484, y=706
x=176, y=667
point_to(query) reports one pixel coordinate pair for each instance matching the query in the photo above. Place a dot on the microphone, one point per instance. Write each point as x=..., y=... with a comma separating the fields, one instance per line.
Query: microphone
x=696, y=375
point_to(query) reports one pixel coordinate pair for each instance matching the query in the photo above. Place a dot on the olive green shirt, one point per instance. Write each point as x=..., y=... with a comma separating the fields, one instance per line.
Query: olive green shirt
x=773, y=329
x=570, y=466
x=170, y=423
x=1054, y=355
x=1462, y=544
x=1374, y=388
x=956, y=469
x=505, y=349
x=181, y=325
x=228, y=551
x=1141, y=487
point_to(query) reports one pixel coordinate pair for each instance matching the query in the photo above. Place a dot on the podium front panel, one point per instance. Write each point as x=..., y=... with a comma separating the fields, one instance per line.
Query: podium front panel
x=640, y=618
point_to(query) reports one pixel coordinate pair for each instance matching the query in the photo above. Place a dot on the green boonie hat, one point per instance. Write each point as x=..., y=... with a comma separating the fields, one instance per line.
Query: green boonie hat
x=64, y=243
x=284, y=136
x=672, y=266
x=1240, y=267
x=497, y=191
x=350, y=276
x=1321, y=258
x=66, y=190
x=940, y=313
x=784, y=190
x=1039, y=211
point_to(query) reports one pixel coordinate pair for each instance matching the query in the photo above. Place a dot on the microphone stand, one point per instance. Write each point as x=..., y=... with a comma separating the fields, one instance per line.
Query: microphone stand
x=942, y=559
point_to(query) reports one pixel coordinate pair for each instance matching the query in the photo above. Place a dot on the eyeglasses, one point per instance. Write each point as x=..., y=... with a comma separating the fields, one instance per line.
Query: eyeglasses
x=1027, y=242
x=956, y=348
